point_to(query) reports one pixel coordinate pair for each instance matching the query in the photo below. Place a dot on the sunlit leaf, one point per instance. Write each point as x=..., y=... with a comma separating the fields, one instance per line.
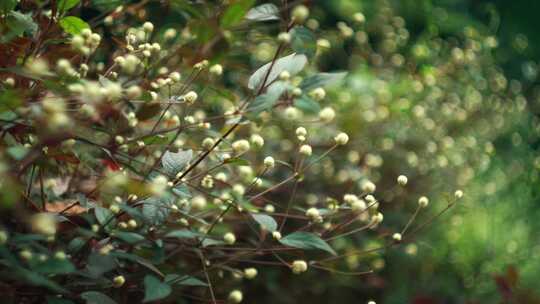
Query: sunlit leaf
x=265, y=221
x=293, y=63
x=73, y=25
x=263, y=12
x=306, y=240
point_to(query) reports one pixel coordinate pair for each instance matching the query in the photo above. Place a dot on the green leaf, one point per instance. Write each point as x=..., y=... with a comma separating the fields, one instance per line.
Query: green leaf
x=185, y=280
x=267, y=100
x=235, y=12
x=263, y=12
x=307, y=105
x=236, y=161
x=103, y=215
x=154, y=289
x=7, y=6
x=157, y=209
x=129, y=237
x=306, y=240
x=73, y=25
x=321, y=80
x=96, y=297
x=175, y=162
x=107, y=5
x=99, y=264
x=292, y=63
x=303, y=41
x=20, y=23
x=55, y=266
x=17, y=152
x=65, y=5
x=9, y=100
x=184, y=234
x=265, y=221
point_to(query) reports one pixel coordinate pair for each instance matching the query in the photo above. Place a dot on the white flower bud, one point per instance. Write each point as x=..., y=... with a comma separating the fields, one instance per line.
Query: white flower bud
x=250, y=273
x=423, y=201
x=368, y=187
x=397, y=237
x=216, y=70
x=306, y=150
x=235, y=296
x=148, y=27
x=402, y=180
x=190, y=97
x=300, y=13
x=276, y=235
x=318, y=94
x=299, y=266
x=240, y=146
x=284, y=37
x=342, y=139
x=257, y=140
x=458, y=194
x=229, y=238
x=269, y=162
x=327, y=114
x=118, y=281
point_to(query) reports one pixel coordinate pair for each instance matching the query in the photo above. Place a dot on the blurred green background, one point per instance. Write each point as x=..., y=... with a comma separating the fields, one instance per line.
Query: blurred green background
x=487, y=250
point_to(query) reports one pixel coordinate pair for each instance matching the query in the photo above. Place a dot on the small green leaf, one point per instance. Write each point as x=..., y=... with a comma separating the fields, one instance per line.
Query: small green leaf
x=73, y=25
x=265, y=221
x=17, y=152
x=175, y=162
x=96, y=297
x=292, y=63
x=65, y=5
x=263, y=12
x=103, y=215
x=303, y=41
x=55, y=266
x=184, y=234
x=321, y=80
x=154, y=289
x=236, y=161
x=55, y=300
x=306, y=240
x=186, y=280
x=129, y=237
x=235, y=12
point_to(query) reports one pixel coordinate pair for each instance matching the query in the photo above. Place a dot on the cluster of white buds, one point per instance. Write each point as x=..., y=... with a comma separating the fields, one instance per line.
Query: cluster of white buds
x=129, y=64
x=256, y=140
x=158, y=185
x=300, y=13
x=284, y=37
x=148, y=50
x=216, y=70
x=345, y=30
x=314, y=215
x=250, y=273
x=301, y=133
x=64, y=67
x=43, y=223
x=86, y=43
